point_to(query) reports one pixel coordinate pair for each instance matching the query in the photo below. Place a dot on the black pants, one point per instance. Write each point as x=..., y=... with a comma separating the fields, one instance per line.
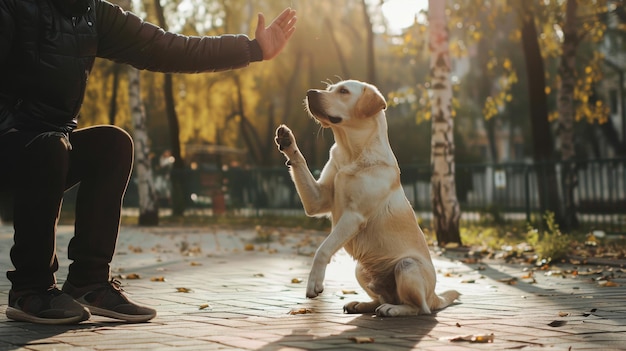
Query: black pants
x=36, y=170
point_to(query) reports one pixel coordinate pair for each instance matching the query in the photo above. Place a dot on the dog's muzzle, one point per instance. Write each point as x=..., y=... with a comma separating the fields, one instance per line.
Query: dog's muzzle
x=315, y=106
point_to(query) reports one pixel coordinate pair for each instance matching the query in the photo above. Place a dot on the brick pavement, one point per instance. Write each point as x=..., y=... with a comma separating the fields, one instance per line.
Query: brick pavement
x=213, y=292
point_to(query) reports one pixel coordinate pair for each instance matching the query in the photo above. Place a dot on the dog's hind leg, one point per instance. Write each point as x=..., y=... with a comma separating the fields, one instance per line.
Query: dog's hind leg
x=413, y=289
x=416, y=289
x=363, y=307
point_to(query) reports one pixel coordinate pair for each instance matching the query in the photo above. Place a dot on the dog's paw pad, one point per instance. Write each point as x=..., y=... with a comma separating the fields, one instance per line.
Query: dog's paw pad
x=284, y=138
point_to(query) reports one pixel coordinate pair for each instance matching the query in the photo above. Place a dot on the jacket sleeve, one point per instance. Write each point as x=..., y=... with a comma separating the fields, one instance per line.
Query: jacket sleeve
x=7, y=29
x=126, y=38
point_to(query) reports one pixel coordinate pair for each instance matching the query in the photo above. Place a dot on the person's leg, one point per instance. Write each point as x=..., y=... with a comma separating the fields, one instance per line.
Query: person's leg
x=33, y=175
x=38, y=167
x=101, y=162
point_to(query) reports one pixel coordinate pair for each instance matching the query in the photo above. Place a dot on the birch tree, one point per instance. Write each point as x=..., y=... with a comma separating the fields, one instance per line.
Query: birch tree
x=148, y=207
x=445, y=205
x=567, y=111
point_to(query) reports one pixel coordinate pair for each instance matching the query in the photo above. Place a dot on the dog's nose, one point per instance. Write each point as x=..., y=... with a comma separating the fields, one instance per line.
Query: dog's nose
x=312, y=92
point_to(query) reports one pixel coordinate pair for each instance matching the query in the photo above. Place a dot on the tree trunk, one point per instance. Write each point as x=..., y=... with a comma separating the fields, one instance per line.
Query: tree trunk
x=446, y=208
x=342, y=60
x=543, y=148
x=177, y=177
x=369, y=55
x=148, y=206
x=115, y=82
x=565, y=105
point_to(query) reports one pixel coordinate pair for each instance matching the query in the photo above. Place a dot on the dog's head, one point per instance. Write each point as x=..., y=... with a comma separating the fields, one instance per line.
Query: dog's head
x=344, y=103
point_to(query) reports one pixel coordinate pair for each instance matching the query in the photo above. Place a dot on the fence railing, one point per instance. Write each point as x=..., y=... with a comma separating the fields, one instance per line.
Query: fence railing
x=508, y=191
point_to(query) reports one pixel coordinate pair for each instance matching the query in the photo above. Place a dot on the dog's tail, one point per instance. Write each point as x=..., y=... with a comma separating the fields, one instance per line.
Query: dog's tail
x=445, y=299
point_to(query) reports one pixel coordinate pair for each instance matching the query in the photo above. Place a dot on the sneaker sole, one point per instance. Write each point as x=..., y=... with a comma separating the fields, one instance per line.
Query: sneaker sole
x=96, y=311
x=21, y=316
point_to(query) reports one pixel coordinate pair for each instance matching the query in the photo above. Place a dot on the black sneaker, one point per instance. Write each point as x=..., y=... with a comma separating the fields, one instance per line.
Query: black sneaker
x=45, y=307
x=108, y=300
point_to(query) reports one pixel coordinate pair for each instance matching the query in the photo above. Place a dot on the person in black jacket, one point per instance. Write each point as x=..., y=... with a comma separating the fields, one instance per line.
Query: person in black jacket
x=47, y=49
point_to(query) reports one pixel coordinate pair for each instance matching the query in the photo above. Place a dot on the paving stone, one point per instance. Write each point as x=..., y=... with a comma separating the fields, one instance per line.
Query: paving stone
x=245, y=300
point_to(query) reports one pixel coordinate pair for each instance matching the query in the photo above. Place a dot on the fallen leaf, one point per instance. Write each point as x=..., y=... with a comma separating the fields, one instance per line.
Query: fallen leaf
x=258, y=275
x=468, y=281
x=183, y=290
x=479, y=338
x=564, y=314
x=296, y=280
x=348, y=292
x=451, y=245
x=157, y=279
x=204, y=306
x=300, y=311
x=135, y=249
x=557, y=323
x=193, y=264
x=608, y=284
x=362, y=339
x=509, y=281
x=249, y=247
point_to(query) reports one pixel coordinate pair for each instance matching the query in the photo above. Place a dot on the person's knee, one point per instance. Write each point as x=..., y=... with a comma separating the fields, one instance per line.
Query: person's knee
x=120, y=141
x=46, y=150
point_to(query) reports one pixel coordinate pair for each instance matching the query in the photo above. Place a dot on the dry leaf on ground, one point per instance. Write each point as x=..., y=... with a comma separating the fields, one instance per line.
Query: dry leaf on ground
x=509, y=281
x=477, y=338
x=300, y=311
x=362, y=339
x=608, y=284
x=557, y=323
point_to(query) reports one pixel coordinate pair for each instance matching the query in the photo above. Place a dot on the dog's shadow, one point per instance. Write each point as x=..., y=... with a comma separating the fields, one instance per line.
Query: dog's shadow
x=362, y=332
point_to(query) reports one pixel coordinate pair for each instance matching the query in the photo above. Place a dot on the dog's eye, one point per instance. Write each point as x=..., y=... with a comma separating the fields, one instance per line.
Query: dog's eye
x=343, y=91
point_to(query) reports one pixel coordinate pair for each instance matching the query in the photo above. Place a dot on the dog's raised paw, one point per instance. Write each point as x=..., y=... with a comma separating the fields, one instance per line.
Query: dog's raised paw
x=284, y=137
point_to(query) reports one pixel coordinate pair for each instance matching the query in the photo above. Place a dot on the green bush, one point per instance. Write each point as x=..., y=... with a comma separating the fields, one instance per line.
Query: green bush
x=549, y=244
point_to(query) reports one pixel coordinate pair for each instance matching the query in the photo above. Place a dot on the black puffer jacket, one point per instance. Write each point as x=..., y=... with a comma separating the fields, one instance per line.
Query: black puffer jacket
x=48, y=49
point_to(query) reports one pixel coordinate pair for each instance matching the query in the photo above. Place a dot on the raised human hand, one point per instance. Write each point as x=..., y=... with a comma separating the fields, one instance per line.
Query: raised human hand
x=272, y=39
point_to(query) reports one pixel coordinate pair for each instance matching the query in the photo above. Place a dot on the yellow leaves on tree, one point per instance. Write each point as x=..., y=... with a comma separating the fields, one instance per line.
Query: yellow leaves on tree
x=495, y=103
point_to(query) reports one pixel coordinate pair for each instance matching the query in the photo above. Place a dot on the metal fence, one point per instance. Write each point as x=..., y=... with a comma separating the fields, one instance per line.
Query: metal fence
x=508, y=191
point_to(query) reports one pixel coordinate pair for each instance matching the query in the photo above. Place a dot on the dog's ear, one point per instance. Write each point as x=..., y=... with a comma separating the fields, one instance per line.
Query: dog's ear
x=371, y=102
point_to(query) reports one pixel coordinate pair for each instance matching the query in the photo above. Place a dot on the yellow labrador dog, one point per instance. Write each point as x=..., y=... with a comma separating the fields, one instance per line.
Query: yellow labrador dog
x=359, y=188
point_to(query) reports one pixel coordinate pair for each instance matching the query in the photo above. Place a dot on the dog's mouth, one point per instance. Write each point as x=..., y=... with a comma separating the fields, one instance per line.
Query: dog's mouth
x=313, y=103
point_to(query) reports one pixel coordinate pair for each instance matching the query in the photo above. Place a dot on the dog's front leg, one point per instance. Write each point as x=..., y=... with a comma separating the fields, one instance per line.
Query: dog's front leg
x=315, y=195
x=346, y=228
